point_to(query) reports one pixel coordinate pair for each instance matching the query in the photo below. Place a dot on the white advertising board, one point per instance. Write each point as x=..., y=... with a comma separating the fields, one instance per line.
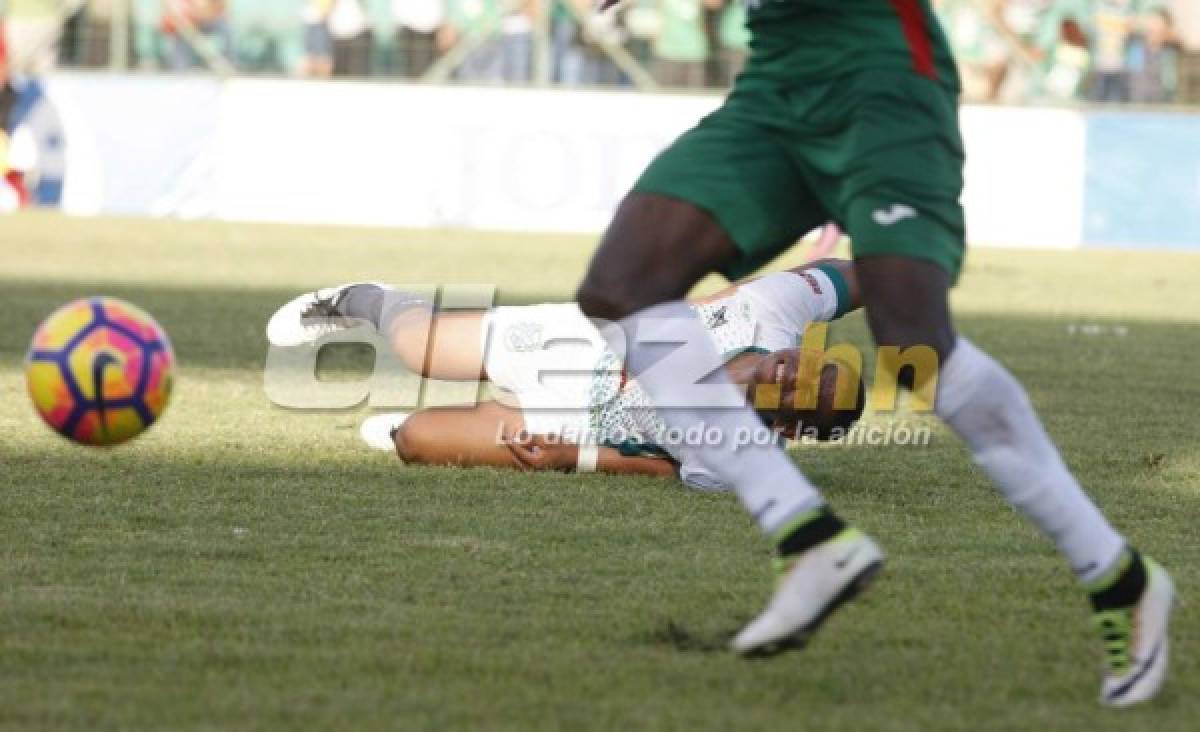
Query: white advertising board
x=377, y=154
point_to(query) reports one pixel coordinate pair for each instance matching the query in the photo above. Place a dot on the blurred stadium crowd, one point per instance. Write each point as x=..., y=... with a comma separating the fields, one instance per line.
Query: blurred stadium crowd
x=1009, y=50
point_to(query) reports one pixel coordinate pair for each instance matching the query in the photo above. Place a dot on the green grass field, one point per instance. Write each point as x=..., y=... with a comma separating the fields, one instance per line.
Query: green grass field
x=246, y=567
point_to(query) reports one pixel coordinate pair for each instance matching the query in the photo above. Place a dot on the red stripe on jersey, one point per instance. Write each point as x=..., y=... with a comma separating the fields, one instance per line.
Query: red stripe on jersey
x=912, y=21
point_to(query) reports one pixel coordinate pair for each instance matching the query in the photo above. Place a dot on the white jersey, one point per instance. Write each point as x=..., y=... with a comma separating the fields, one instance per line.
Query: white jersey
x=567, y=381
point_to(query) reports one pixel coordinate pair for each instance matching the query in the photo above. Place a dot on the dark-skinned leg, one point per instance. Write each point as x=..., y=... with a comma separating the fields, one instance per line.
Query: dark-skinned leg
x=655, y=250
x=907, y=306
x=906, y=302
x=989, y=410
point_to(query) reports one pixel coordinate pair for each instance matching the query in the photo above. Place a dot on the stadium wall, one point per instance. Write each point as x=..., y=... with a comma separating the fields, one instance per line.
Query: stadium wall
x=530, y=160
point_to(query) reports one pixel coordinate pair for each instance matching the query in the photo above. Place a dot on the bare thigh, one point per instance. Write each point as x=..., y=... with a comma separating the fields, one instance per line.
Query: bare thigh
x=449, y=346
x=656, y=248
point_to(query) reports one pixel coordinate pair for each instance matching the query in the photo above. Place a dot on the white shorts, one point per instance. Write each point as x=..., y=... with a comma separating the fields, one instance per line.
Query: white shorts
x=557, y=366
x=547, y=358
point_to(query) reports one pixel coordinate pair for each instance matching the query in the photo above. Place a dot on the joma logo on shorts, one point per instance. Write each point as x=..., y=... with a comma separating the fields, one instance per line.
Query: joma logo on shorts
x=897, y=212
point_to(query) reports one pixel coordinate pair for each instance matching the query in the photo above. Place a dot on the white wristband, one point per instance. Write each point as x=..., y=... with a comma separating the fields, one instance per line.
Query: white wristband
x=589, y=457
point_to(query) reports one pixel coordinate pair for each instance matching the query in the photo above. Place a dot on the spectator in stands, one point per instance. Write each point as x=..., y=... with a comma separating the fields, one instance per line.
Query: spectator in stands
x=417, y=22
x=1112, y=23
x=734, y=38
x=32, y=145
x=499, y=41
x=1050, y=44
x=475, y=23
x=516, y=42
x=568, y=49
x=984, y=55
x=86, y=39
x=32, y=30
x=194, y=29
x=681, y=48
x=146, y=21
x=351, y=31
x=1152, y=59
x=318, y=41
x=268, y=35
x=577, y=55
x=13, y=193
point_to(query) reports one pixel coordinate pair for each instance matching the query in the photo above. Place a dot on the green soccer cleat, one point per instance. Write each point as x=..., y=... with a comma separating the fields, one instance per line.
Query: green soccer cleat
x=810, y=587
x=1135, y=642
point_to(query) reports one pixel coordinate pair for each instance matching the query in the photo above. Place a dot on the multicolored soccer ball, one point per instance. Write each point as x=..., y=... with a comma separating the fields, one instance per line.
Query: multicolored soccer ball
x=99, y=371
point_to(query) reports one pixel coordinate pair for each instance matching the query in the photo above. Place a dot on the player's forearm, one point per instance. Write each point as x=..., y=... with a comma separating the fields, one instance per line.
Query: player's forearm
x=613, y=462
x=540, y=454
x=455, y=454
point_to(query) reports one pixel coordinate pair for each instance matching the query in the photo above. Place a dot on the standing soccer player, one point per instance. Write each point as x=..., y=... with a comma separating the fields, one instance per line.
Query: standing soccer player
x=848, y=111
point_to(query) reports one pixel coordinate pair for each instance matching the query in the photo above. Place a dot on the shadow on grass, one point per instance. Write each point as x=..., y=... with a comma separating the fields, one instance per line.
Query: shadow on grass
x=1103, y=390
x=674, y=635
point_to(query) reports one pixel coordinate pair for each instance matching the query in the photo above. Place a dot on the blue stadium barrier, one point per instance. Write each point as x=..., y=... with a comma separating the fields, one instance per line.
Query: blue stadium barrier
x=1142, y=180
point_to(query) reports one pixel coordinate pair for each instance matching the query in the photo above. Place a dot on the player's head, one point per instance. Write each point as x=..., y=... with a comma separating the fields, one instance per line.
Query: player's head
x=830, y=417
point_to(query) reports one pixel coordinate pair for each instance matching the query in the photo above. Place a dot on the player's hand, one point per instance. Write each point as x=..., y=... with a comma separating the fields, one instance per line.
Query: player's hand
x=790, y=368
x=542, y=452
x=797, y=374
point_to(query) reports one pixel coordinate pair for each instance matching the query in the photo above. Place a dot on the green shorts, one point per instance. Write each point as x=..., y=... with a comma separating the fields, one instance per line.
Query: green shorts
x=877, y=151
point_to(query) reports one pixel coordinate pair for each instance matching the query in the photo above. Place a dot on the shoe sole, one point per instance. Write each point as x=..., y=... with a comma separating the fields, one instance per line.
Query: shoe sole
x=800, y=638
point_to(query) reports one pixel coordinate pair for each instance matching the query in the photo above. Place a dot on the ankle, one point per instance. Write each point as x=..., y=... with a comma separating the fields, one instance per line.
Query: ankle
x=364, y=302
x=807, y=530
x=1123, y=585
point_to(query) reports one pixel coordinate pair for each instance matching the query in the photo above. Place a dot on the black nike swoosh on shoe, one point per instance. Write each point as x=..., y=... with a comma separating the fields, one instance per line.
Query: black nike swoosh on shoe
x=1121, y=690
x=762, y=511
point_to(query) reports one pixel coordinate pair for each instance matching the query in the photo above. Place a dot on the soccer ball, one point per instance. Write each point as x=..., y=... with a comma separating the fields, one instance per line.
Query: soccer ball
x=99, y=371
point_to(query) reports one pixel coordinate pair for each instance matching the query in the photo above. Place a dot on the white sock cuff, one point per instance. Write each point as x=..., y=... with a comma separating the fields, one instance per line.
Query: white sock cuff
x=773, y=521
x=396, y=303
x=1090, y=573
x=960, y=377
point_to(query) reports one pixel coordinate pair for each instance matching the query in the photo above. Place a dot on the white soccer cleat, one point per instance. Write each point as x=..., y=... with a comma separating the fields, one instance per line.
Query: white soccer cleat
x=379, y=430
x=311, y=316
x=810, y=587
x=1135, y=641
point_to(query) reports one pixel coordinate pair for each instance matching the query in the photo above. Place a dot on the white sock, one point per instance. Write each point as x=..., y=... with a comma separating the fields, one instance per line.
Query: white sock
x=990, y=411
x=768, y=483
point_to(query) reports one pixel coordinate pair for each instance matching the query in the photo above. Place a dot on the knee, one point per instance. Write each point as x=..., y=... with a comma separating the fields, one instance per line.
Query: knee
x=410, y=444
x=614, y=298
x=656, y=248
x=905, y=328
x=599, y=299
x=906, y=302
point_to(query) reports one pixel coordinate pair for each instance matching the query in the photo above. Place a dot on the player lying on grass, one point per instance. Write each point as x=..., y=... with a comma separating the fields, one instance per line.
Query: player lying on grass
x=565, y=403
